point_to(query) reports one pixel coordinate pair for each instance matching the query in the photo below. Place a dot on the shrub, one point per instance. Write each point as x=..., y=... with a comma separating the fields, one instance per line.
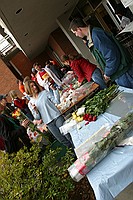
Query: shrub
x=25, y=176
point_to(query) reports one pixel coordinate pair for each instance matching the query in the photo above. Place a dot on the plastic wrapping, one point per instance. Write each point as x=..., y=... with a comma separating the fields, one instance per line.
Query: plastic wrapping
x=121, y=105
x=33, y=131
x=101, y=148
x=88, y=144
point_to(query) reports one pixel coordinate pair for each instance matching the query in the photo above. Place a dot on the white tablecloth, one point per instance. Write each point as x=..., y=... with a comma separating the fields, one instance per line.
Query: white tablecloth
x=115, y=171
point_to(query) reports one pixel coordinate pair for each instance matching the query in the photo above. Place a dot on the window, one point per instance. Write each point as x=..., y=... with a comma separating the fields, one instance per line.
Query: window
x=6, y=44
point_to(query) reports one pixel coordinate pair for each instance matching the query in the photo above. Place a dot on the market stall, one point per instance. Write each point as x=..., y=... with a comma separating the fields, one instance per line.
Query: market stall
x=115, y=172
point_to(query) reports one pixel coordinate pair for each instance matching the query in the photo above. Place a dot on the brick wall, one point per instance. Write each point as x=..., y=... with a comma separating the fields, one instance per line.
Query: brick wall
x=22, y=63
x=7, y=79
x=60, y=43
x=42, y=58
x=55, y=46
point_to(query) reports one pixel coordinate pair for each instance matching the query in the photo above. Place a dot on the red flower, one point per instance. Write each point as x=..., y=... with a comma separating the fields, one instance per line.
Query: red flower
x=35, y=134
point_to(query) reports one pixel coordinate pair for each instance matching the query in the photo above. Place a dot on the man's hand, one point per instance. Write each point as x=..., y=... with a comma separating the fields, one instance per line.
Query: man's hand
x=79, y=84
x=107, y=78
x=70, y=72
x=37, y=121
x=52, y=87
x=25, y=123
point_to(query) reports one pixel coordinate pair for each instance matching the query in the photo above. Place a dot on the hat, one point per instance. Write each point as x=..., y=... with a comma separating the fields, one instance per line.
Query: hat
x=3, y=96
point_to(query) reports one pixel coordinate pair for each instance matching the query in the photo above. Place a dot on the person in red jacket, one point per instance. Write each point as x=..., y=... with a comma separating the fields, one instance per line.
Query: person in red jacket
x=20, y=103
x=84, y=69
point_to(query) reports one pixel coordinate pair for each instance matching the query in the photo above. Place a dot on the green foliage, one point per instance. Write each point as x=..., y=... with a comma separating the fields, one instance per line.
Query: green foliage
x=100, y=102
x=24, y=176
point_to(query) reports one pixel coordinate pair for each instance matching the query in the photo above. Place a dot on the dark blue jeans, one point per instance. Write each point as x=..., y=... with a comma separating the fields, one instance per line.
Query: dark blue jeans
x=126, y=80
x=98, y=78
x=54, y=125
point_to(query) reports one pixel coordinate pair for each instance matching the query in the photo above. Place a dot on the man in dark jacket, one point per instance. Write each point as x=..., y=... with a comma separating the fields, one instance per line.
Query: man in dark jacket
x=110, y=56
x=55, y=69
x=13, y=135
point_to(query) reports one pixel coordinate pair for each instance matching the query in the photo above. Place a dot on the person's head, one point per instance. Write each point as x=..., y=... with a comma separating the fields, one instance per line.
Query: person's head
x=53, y=62
x=27, y=78
x=13, y=94
x=19, y=82
x=37, y=67
x=65, y=59
x=78, y=27
x=32, y=88
x=33, y=70
x=48, y=62
x=3, y=99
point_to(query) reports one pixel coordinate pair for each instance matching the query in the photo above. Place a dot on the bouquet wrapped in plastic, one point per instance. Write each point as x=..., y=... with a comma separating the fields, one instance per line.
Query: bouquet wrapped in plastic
x=32, y=129
x=101, y=148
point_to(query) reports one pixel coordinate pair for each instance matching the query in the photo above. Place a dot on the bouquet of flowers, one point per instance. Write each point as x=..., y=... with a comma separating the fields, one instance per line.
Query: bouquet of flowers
x=33, y=132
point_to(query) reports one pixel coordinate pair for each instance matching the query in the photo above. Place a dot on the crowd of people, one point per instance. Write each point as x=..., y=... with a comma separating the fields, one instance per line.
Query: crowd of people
x=40, y=94
x=41, y=91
